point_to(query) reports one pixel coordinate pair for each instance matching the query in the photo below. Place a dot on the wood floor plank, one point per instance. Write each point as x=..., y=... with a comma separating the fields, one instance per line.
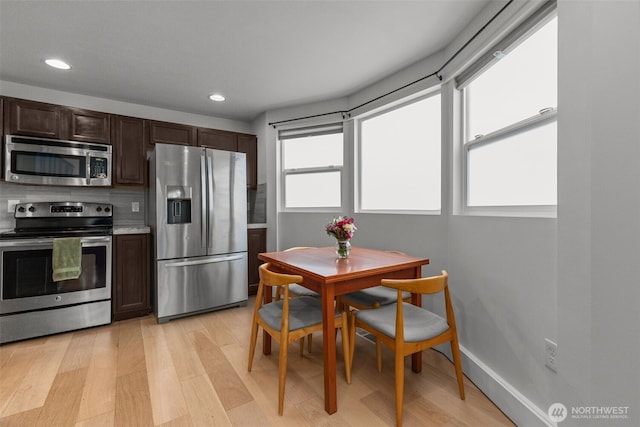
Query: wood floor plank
x=202, y=400
x=99, y=394
x=63, y=401
x=79, y=350
x=226, y=382
x=130, y=348
x=185, y=358
x=106, y=419
x=133, y=400
x=166, y=394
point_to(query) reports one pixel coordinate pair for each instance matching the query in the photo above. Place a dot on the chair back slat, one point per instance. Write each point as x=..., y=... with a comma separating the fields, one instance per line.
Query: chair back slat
x=269, y=278
x=427, y=285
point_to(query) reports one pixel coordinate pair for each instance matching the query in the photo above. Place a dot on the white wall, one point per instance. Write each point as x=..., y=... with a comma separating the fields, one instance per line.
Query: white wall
x=516, y=281
x=599, y=215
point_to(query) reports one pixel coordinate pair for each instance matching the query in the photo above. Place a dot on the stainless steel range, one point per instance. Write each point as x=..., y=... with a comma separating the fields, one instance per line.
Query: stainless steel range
x=33, y=304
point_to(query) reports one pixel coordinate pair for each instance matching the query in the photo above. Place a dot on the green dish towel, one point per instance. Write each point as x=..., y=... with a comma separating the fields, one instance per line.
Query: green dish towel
x=67, y=258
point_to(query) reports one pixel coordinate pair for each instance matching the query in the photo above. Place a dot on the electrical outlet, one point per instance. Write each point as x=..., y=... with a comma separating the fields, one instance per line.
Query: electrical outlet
x=135, y=206
x=550, y=354
x=11, y=205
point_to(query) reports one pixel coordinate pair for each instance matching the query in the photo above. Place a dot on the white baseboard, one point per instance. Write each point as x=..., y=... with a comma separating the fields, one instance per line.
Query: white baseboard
x=506, y=397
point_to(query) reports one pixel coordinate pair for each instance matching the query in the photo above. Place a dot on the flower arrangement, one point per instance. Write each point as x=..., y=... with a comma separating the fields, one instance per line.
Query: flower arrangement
x=341, y=227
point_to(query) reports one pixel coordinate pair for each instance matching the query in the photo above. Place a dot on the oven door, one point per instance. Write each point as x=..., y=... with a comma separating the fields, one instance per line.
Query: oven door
x=26, y=275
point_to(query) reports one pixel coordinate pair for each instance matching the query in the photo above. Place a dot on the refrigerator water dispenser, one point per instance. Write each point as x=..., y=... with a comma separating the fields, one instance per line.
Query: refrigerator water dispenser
x=178, y=205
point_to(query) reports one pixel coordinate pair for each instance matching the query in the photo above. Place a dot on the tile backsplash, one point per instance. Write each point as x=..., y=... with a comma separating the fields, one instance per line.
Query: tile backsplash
x=121, y=199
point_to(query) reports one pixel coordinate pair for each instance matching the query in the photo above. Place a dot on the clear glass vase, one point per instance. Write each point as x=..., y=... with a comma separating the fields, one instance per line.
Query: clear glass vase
x=343, y=248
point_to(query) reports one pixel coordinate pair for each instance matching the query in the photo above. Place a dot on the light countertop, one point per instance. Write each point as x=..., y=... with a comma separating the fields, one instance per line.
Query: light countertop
x=131, y=229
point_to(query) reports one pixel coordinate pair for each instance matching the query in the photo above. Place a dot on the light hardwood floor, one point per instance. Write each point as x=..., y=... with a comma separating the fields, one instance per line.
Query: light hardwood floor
x=193, y=372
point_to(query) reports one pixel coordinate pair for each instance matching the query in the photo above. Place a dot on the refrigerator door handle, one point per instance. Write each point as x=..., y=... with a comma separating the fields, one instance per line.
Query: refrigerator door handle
x=211, y=260
x=203, y=202
x=210, y=201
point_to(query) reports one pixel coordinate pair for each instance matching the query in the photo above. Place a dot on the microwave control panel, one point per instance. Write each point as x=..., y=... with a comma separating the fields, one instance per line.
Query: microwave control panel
x=99, y=167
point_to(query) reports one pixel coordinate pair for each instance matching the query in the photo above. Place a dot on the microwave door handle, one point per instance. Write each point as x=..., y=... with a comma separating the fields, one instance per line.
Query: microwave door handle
x=203, y=201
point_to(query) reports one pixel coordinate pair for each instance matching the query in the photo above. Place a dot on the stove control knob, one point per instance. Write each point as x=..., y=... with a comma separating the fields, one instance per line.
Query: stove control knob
x=32, y=209
x=99, y=209
x=107, y=209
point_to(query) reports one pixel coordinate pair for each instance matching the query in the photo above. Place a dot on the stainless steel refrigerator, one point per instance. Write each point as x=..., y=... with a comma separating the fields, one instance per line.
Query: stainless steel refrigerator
x=197, y=206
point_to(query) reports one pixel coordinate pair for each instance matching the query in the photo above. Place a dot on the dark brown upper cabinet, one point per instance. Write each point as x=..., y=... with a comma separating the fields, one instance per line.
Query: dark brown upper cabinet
x=171, y=133
x=249, y=144
x=129, y=147
x=218, y=139
x=33, y=118
x=88, y=126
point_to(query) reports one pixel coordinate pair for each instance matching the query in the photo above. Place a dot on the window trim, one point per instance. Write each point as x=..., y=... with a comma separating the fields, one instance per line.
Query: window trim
x=357, y=188
x=309, y=131
x=537, y=20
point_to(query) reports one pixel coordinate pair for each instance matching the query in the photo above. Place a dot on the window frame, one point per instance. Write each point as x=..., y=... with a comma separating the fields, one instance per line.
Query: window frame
x=545, y=116
x=303, y=132
x=434, y=91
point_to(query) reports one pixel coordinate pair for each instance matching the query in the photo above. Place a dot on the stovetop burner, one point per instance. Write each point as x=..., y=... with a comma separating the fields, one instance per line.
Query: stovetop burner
x=61, y=219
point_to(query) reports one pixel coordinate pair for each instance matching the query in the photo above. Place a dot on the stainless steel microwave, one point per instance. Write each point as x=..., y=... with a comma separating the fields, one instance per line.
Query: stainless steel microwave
x=29, y=160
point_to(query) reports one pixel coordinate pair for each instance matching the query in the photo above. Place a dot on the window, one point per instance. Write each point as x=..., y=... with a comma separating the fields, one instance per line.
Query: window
x=509, y=118
x=312, y=161
x=399, y=153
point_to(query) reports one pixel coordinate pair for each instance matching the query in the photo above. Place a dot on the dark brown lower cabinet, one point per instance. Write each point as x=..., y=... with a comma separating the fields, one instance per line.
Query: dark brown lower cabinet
x=131, y=292
x=256, y=242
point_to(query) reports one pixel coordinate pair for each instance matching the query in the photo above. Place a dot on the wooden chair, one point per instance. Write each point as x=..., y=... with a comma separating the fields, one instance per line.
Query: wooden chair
x=408, y=329
x=300, y=291
x=370, y=298
x=289, y=320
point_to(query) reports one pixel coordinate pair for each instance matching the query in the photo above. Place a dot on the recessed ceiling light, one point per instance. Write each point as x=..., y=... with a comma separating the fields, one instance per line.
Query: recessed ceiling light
x=217, y=97
x=57, y=63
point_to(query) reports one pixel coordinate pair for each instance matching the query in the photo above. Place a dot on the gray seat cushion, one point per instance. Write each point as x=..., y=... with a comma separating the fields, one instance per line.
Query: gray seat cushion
x=419, y=324
x=303, y=311
x=377, y=294
x=300, y=290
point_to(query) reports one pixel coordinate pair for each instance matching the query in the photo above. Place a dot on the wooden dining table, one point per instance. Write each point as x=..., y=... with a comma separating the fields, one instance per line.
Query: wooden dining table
x=324, y=273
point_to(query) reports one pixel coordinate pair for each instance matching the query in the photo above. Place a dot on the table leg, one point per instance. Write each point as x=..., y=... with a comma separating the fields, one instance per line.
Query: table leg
x=266, y=338
x=329, y=348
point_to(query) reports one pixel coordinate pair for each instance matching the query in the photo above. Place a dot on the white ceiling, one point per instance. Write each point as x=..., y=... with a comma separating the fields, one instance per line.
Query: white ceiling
x=261, y=55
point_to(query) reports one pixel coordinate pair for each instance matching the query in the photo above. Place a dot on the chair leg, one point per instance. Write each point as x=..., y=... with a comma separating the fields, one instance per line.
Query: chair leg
x=309, y=342
x=252, y=343
x=282, y=375
x=457, y=362
x=346, y=348
x=352, y=336
x=399, y=362
x=379, y=354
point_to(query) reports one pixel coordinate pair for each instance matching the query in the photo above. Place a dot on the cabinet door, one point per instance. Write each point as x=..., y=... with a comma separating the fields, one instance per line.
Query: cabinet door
x=88, y=126
x=249, y=144
x=218, y=139
x=171, y=133
x=129, y=151
x=33, y=118
x=131, y=288
x=257, y=243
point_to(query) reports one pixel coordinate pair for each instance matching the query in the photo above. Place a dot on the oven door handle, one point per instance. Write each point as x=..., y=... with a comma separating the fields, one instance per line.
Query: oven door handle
x=204, y=261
